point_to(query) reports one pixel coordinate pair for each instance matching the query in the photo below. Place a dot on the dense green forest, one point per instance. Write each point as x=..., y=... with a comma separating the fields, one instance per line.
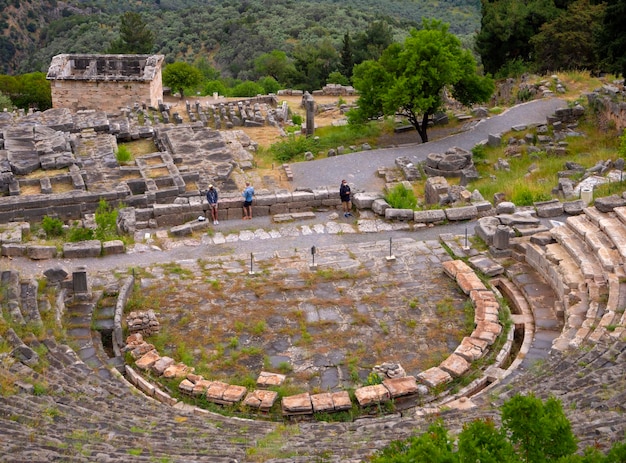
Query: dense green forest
x=229, y=34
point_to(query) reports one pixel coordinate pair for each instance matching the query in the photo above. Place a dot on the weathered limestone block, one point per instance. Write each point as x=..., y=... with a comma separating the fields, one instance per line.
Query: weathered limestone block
x=399, y=214
x=435, y=188
x=470, y=350
x=371, y=395
x=186, y=387
x=461, y=213
x=162, y=364
x=469, y=281
x=453, y=267
x=608, y=203
x=341, y=400
x=434, y=377
x=431, y=216
x=487, y=331
x=112, y=247
x=261, y=399
x=89, y=248
x=379, y=206
x=233, y=394
x=322, y=402
x=267, y=379
x=200, y=387
x=365, y=200
x=399, y=387
x=299, y=404
x=147, y=360
x=455, y=365
x=552, y=208
x=13, y=249
x=36, y=252
x=178, y=370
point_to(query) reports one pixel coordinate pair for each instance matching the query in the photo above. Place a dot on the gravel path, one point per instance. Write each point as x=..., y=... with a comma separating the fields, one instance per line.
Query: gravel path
x=360, y=168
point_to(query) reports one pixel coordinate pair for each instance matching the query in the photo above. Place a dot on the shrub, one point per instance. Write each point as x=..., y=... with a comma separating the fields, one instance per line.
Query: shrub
x=286, y=150
x=123, y=154
x=400, y=197
x=106, y=221
x=52, y=226
x=76, y=234
x=479, y=152
x=296, y=119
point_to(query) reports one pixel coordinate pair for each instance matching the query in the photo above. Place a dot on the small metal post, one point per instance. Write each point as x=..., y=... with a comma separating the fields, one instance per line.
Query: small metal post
x=313, y=250
x=466, y=247
x=390, y=257
x=251, y=272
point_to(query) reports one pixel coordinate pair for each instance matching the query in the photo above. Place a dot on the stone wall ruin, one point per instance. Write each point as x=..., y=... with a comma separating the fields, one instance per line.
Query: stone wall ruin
x=105, y=82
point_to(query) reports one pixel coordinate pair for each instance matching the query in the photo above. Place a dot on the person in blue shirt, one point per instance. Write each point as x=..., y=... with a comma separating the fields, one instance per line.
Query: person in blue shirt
x=212, y=198
x=248, y=194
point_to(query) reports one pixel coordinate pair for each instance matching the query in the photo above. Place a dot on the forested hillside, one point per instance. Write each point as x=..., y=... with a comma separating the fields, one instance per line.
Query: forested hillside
x=229, y=34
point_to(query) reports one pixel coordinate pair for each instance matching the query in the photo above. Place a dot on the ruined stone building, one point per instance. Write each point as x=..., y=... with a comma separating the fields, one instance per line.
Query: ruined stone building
x=105, y=82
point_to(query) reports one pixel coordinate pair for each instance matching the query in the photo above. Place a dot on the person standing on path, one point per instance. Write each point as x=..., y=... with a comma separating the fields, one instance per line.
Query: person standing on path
x=212, y=198
x=344, y=194
x=248, y=194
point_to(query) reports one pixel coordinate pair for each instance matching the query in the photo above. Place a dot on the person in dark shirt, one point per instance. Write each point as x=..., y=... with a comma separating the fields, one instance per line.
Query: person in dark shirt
x=212, y=198
x=344, y=194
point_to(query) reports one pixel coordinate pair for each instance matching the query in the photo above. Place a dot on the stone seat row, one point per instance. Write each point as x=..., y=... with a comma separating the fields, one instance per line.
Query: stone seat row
x=583, y=260
x=486, y=327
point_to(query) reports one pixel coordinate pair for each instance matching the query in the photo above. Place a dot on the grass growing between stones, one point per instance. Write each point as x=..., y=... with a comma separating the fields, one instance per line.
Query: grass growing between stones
x=532, y=176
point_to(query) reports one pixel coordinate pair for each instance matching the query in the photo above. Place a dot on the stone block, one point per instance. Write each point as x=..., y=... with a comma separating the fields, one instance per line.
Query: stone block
x=261, y=399
x=162, y=364
x=299, y=404
x=469, y=350
x=379, y=206
x=371, y=395
x=267, y=379
x=365, y=200
x=200, y=387
x=552, y=208
x=13, y=250
x=147, y=360
x=455, y=365
x=89, y=248
x=341, y=400
x=399, y=387
x=178, y=370
x=487, y=331
x=469, y=281
x=113, y=247
x=322, y=402
x=461, y=213
x=434, y=377
x=399, y=214
x=234, y=393
x=430, y=216
x=453, y=267
x=37, y=252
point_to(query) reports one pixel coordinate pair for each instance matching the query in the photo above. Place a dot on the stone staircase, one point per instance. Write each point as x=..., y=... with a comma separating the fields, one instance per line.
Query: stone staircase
x=583, y=261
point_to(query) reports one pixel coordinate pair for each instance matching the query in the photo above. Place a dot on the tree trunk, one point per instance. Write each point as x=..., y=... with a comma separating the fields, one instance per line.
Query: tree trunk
x=422, y=128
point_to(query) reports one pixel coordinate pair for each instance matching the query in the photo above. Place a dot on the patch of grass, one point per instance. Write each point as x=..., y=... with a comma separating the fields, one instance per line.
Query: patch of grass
x=400, y=197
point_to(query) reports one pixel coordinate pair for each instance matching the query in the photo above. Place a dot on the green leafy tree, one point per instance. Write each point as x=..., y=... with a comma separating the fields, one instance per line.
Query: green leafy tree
x=612, y=39
x=347, y=56
x=314, y=62
x=567, y=42
x=409, y=79
x=246, y=88
x=275, y=64
x=31, y=91
x=541, y=432
x=481, y=441
x=181, y=75
x=370, y=44
x=269, y=85
x=434, y=446
x=5, y=102
x=135, y=37
x=506, y=29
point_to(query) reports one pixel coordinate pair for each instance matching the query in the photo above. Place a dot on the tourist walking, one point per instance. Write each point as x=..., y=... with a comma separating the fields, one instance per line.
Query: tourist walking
x=344, y=194
x=212, y=197
x=248, y=194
